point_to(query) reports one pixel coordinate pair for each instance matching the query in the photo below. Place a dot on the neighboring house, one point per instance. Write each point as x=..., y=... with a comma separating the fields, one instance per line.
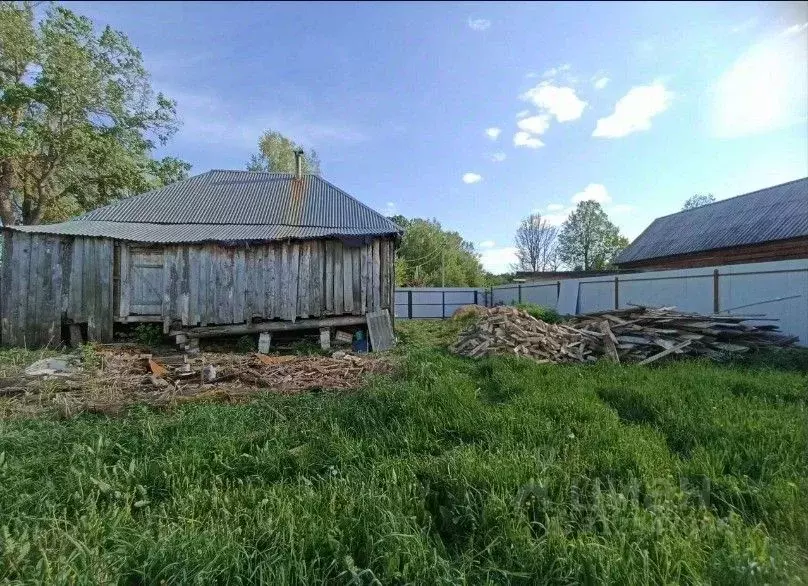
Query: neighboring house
x=766, y=225
x=220, y=248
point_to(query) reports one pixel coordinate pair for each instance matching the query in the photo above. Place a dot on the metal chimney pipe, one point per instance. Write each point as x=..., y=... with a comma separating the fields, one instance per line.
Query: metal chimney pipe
x=299, y=164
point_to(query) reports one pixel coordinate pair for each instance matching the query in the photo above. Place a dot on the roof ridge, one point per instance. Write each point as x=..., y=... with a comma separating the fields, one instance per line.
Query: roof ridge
x=734, y=197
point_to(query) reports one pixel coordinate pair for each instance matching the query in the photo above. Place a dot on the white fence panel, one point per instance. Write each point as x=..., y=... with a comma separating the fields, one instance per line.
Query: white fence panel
x=435, y=302
x=506, y=294
x=687, y=293
x=595, y=296
x=546, y=295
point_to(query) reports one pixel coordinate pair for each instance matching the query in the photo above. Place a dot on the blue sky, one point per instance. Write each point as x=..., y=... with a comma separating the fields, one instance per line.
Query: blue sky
x=478, y=114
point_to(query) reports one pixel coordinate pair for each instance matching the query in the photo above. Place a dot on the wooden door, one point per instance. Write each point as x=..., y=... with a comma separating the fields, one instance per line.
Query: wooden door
x=146, y=282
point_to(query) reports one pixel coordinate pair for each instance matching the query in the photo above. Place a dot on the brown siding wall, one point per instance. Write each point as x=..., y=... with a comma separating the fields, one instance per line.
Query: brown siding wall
x=768, y=251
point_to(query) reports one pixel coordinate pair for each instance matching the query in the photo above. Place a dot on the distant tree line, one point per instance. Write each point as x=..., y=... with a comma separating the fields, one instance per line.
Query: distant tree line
x=588, y=240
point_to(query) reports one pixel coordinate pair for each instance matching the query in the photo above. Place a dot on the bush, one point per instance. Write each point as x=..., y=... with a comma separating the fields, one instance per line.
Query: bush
x=149, y=334
x=545, y=314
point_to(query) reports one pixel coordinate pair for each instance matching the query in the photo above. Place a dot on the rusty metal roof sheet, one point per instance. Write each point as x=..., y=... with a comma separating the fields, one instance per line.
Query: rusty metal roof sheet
x=230, y=205
x=178, y=233
x=775, y=213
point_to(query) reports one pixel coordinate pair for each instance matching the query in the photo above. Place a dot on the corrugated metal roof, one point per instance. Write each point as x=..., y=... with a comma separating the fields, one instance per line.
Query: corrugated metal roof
x=230, y=205
x=176, y=233
x=246, y=197
x=775, y=213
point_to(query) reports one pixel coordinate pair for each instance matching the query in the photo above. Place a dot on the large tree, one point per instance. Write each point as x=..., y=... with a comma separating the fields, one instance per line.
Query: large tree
x=536, y=245
x=277, y=153
x=588, y=239
x=78, y=117
x=430, y=256
x=698, y=200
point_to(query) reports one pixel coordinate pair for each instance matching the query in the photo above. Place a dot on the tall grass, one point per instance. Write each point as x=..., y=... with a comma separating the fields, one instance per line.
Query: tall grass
x=452, y=471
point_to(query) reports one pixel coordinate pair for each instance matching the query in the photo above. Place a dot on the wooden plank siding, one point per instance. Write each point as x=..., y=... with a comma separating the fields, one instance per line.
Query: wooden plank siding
x=48, y=281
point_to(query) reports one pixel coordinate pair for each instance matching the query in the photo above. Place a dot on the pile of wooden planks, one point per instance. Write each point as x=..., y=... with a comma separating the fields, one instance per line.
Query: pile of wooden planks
x=507, y=330
x=638, y=334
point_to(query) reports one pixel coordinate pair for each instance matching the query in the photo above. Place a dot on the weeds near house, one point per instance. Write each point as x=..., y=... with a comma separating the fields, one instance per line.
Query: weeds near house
x=546, y=314
x=452, y=471
x=149, y=335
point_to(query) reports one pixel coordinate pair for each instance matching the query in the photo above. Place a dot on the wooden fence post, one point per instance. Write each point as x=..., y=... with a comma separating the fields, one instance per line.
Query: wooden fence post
x=443, y=304
x=616, y=293
x=716, y=302
x=409, y=304
x=520, y=292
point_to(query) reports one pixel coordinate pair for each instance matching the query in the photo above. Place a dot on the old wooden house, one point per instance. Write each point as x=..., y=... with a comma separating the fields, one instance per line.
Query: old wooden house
x=240, y=250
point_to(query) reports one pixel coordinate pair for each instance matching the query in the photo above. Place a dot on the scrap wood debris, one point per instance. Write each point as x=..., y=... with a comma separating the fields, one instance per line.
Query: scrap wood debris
x=128, y=375
x=638, y=334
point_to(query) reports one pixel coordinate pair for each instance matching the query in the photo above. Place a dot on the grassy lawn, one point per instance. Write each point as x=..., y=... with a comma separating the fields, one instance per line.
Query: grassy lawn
x=450, y=471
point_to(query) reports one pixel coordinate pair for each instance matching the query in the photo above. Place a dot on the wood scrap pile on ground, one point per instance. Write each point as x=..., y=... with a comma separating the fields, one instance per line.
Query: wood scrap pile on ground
x=637, y=334
x=125, y=376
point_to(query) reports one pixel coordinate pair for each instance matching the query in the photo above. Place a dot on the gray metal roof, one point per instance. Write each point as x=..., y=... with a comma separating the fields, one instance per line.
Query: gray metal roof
x=176, y=233
x=775, y=213
x=230, y=205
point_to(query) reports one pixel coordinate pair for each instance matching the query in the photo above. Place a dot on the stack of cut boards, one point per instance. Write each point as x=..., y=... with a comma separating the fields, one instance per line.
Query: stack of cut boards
x=638, y=334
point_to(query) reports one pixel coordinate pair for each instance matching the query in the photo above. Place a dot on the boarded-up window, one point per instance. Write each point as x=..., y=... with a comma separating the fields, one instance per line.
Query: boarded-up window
x=146, y=282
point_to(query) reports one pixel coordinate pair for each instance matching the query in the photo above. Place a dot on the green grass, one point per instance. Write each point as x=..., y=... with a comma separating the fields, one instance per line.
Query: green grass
x=546, y=314
x=452, y=471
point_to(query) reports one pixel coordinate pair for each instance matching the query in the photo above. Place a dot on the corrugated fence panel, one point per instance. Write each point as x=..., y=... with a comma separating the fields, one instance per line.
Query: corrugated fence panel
x=687, y=293
x=544, y=294
x=595, y=296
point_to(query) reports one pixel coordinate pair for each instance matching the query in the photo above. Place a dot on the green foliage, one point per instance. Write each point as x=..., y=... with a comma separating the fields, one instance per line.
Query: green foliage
x=149, y=334
x=78, y=117
x=698, y=200
x=455, y=471
x=588, y=239
x=546, y=314
x=246, y=344
x=430, y=256
x=90, y=358
x=276, y=153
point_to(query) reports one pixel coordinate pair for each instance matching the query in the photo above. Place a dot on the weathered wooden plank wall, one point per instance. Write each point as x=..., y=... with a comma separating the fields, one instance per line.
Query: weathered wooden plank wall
x=49, y=280
x=214, y=284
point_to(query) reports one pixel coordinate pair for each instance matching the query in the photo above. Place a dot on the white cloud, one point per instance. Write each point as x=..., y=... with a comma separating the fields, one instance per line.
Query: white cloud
x=493, y=132
x=766, y=88
x=796, y=29
x=554, y=71
x=601, y=82
x=523, y=139
x=390, y=209
x=592, y=192
x=561, y=102
x=554, y=207
x=634, y=111
x=498, y=157
x=472, y=178
x=479, y=24
x=557, y=219
x=522, y=113
x=498, y=260
x=535, y=124
x=487, y=244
